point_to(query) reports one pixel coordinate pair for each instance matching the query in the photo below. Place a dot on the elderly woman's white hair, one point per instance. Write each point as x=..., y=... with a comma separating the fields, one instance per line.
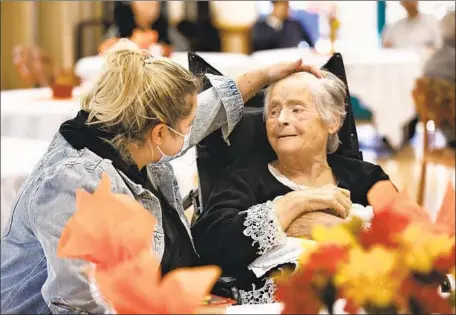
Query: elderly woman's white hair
x=329, y=94
x=447, y=25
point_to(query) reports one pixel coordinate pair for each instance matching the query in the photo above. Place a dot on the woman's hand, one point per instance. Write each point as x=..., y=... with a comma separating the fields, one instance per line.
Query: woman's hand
x=329, y=198
x=281, y=70
x=250, y=83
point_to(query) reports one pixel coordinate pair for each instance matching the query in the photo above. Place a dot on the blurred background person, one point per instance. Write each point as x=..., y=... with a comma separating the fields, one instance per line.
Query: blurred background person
x=442, y=63
x=144, y=22
x=144, y=15
x=278, y=30
x=416, y=30
x=198, y=28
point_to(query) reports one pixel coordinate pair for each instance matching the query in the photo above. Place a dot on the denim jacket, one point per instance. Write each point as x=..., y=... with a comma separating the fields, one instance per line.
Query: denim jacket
x=32, y=276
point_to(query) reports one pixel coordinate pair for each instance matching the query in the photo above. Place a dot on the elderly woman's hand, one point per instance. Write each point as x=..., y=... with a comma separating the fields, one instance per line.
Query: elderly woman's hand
x=328, y=198
x=303, y=225
x=281, y=70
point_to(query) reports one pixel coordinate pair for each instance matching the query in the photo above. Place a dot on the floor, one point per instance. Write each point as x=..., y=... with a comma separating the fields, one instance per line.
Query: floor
x=404, y=166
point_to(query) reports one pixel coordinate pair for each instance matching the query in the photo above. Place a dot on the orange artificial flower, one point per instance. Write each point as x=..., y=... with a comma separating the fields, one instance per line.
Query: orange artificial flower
x=383, y=196
x=114, y=233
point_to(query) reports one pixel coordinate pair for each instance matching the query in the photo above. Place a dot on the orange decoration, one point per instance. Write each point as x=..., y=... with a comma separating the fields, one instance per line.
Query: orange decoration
x=115, y=233
x=384, y=195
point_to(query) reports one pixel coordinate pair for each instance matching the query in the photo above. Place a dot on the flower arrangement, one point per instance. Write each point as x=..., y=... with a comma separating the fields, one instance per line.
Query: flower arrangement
x=114, y=234
x=395, y=267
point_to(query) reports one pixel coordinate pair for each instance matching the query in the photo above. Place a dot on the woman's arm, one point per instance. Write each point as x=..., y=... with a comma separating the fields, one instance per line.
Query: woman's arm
x=54, y=202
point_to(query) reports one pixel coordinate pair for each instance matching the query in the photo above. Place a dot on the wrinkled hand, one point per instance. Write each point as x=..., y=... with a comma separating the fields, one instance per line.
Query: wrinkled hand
x=326, y=198
x=281, y=70
x=302, y=227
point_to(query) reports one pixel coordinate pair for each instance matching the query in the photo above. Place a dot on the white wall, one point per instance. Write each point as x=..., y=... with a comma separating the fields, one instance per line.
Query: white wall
x=358, y=22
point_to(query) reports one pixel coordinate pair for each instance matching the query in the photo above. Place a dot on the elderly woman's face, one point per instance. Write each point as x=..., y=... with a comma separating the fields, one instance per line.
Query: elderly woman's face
x=292, y=122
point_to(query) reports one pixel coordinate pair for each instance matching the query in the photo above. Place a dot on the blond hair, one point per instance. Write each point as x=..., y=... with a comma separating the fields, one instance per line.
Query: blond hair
x=135, y=92
x=329, y=94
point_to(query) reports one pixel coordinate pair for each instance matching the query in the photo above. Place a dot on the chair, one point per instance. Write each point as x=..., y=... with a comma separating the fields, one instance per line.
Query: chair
x=249, y=137
x=434, y=100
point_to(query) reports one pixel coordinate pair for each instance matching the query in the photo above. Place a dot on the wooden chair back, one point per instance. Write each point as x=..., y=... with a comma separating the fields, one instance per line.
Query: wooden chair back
x=434, y=100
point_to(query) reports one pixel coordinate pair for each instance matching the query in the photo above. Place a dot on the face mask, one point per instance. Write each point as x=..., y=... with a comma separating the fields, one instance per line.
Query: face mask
x=167, y=158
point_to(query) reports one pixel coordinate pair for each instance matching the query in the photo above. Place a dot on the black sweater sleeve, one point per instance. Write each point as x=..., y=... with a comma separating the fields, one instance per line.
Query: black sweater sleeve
x=236, y=227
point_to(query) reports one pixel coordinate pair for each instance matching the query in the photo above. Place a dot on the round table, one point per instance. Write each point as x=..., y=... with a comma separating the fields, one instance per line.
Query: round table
x=18, y=159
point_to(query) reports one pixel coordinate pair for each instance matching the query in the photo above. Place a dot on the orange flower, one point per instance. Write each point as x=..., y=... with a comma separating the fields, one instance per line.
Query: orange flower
x=386, y=227
x=383, y=196
x=114, y=233
x=311, y=287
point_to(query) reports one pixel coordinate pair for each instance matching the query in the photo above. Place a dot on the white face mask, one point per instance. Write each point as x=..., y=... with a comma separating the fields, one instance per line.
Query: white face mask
x=167, y=158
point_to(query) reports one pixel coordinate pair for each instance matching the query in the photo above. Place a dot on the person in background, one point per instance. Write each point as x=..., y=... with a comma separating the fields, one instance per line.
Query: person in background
x=442, y=63
x=417, y=30
x=130, y=15
x=278, y=30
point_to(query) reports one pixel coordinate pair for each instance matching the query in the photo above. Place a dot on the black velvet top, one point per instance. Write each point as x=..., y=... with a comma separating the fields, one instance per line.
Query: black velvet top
x=218, y=233
x=179, y=250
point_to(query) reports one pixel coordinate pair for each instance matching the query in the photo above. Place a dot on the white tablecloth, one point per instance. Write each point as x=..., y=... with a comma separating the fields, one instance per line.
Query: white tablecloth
x=18, y=159
x=382, y=79
x=229, y=64
x=32, y=113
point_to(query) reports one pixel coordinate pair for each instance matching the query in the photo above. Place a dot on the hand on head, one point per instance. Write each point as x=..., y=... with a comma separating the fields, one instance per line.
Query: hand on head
x=281, y=70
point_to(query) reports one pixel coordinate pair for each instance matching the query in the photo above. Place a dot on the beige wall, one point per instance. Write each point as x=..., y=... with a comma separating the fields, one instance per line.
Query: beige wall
x=48, y=24
x=17, y=19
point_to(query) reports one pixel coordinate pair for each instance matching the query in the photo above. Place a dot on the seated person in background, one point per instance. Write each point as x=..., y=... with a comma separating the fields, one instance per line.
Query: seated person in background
x=417, y=30
x=143, y=15
x=442, y=63
x=262, y=200
x=278, y=30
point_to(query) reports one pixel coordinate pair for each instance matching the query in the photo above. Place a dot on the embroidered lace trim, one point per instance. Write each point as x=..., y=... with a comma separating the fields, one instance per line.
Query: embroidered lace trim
x=263, y=227
x=263, y=295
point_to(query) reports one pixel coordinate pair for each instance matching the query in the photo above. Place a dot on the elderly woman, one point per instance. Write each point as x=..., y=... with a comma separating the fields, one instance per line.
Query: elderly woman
x=140, y=114
x=259, y=201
